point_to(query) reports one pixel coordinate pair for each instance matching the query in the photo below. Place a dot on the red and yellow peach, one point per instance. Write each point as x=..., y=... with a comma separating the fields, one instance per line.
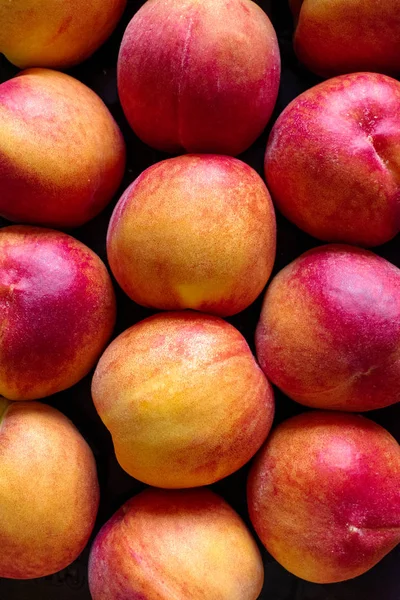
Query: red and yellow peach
x=183, y=398
x=344, y=36
x=196, y=232
x=324, y=495
x=329, y=331
x=56, y=34
x=62, y=156
x=186, y=544
x=57, y=311
x=332, y=161
x=199, y=76
x=48, y=488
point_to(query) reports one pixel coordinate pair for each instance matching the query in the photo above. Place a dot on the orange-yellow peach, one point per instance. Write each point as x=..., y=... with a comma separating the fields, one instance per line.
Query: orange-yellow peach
x=57, y=311
x=324, y=495
x=56, y=34
x=344, y=36
x=199, y=76
x=48, y=489
x=329, y=331
x=183, y=398
x=332, y=161
x=188, y=545
x=62, y=156
x=196, y=231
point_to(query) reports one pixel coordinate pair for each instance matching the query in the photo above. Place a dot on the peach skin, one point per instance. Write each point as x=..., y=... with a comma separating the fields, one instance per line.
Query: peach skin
x=57, y=311
x=56, y=34
x=324, y=495
x=343, y=36
x=197, y=231
x=183, y=398
x=329, y=331
x=187, y=544
x=199, y=76
x=332, y=161
x=62, y=156
x=48, y=488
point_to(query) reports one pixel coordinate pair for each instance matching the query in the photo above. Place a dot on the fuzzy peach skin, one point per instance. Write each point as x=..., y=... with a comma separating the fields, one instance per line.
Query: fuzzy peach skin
x=197, y=231
x=329, y=331
x=333, y=160
x=57, y=311
x=324, y=495
x=62, y=156
x=48, y=488
x=54, y=33
x=187, y=544
x=199, y=76
x=344, y=36
x=183, y=398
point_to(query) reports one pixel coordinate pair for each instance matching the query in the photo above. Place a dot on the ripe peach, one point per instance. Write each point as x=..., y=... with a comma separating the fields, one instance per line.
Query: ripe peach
x=51, y=33
x=199, y=76
x=183, y=398
x=48, y=488
x=332, y=161
x=324, y=495
x=329, y=331
x=62, y=156
x=57, y=311
x=186, y=544
x=197, y=232
x=344, y=36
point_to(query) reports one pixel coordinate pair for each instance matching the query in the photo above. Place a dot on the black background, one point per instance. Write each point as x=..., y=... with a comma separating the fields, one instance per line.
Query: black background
x=99, y=73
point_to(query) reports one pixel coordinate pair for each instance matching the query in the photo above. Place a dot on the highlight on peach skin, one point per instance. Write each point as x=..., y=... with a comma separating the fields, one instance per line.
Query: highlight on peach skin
x=62, y=156
x=187, y=544
x=57, y=311
x=342, y=36
x=183, y=398
x=199, y=76
x=329, y=331
x=324, y=495
x=197, y=231
x=48, y=488
x=332, y=160
x=56, y=34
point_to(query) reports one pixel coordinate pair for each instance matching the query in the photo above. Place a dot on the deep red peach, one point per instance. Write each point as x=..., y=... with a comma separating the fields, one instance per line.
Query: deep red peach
x=199, y=76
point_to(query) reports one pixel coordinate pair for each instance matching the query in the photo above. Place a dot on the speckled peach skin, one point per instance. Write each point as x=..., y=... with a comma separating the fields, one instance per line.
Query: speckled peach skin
x=183, y=398
x=57, y=311
x=343, y=36
x=329, y=331
x=332, y=161
x=186, y=545
x=197, y=231
x=324, y=495
x=199, y=76
x=48, y=488
x=62, y=156
x=54, y=33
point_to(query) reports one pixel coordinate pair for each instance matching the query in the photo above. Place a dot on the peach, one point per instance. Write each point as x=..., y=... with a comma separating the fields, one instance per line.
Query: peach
x=48, y=488
x=57, y=311
x=187, y=544
x=62, y=156
x=199, y=76
x=183, y=398
x=195, y=231
x=51, y=33
x=329, y=331
x=324, y=495
x=343, y=36
x=332, y=161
